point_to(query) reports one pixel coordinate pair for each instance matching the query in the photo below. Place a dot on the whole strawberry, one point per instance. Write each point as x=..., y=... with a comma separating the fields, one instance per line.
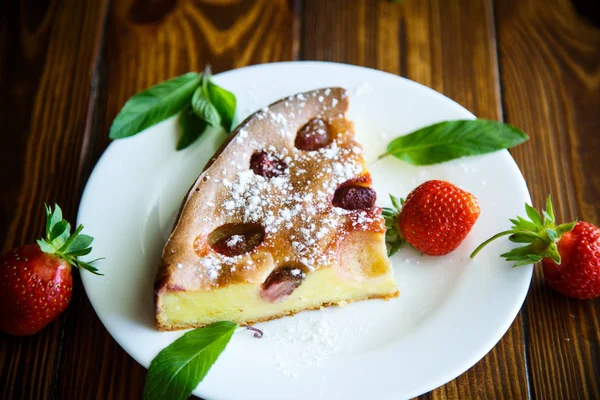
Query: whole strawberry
x=435, y=218
x=35, y=279
x=569, y=253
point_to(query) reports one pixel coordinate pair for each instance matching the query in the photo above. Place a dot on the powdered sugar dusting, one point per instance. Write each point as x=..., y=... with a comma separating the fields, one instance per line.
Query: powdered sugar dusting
x=313, y=340
x=297, y=203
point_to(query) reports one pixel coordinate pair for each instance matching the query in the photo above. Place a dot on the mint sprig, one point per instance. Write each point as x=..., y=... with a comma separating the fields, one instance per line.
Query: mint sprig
x=60, y=242
x=393, y=237
x=449, y=140
x=539, y=233
x=209, y=103
x=176, y=371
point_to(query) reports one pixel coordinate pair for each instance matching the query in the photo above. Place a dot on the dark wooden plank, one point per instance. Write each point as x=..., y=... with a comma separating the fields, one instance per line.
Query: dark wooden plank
x=438, y=44
x=550, y=63
x=147, y=42
x=48, y=52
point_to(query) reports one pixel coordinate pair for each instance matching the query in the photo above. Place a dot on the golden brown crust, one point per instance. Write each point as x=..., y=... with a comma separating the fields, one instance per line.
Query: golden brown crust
x=388, y=296
x=202, y=209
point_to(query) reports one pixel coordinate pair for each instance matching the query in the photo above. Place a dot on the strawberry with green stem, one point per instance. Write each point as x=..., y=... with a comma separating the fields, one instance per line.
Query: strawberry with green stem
x=569, y=253
x=35, y=279
x=435, y=218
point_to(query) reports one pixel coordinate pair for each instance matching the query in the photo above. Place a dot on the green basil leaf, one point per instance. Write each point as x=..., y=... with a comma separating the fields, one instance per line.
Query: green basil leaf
x=225, y=103
x=154, y=105
x=182, y=365
x=190, y=126
x=448, y=140
x=204, y=109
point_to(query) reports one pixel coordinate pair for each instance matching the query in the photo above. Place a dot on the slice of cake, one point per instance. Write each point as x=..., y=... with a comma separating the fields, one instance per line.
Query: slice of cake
x=282, y=220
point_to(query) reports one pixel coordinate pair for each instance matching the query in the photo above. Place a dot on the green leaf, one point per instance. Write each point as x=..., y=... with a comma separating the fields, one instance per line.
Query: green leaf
x=79, y=252
x=79, y=243
x=549, y=209
x=533, y=215
x=525, y=225
x=520, y=253
x=48, y=219
x=396, y=202
x=389, y=212
x=534, y=257
x=59, y=229
x=181, y=366
x=553, y=253
x=154, y=105
x=190, y=126
x=564, y=228
x=551, y=234
x=46, y=247
x=548, y=219
x=55, y=218
x=522, y=238
x=87, y=266
x=454, y=139
x=204, y=109
x=394, y=247
x=225, y=103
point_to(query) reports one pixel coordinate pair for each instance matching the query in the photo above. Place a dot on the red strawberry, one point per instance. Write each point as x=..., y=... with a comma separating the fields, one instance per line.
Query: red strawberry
x=436, y=217
x=35, y=279
x=570, y=253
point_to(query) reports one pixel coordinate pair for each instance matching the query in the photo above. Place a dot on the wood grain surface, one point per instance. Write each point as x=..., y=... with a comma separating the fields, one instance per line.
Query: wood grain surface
x=49, y=51
x=68, y=66
x=550, y=70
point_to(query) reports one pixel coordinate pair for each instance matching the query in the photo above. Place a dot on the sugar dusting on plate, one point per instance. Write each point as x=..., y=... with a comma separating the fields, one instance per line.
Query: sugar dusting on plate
x=311, y=341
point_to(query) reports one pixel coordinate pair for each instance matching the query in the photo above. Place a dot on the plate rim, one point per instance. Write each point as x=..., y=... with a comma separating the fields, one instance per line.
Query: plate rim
x=466, y=363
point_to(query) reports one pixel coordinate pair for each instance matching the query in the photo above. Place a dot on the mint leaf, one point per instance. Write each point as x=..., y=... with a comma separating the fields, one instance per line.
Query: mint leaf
x=448, y=140
x=204, y=109
x=190, y=126
x=154, y=105
x=182, y=365
x=225, y=103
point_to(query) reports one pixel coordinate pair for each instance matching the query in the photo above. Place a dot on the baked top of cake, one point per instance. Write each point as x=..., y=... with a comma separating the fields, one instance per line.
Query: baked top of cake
x=276, y=202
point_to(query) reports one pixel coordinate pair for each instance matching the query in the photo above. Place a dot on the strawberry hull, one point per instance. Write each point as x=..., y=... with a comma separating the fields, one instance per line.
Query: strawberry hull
x=578, y=274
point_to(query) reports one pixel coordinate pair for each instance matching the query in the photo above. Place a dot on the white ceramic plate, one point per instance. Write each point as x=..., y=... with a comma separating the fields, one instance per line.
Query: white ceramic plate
x=451, y=310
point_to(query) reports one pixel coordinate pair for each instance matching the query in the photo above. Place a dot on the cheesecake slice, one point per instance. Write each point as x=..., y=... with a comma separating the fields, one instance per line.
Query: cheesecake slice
x=283, y=219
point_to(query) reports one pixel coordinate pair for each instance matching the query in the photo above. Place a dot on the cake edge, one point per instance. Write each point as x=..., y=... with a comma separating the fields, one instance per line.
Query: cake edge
x=171, y=327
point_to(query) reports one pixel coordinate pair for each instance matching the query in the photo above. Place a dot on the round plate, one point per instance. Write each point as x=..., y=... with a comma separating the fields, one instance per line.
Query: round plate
x=451, y=310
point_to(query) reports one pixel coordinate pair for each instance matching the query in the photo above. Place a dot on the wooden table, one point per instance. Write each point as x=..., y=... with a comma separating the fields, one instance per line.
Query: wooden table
x=69, y=65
